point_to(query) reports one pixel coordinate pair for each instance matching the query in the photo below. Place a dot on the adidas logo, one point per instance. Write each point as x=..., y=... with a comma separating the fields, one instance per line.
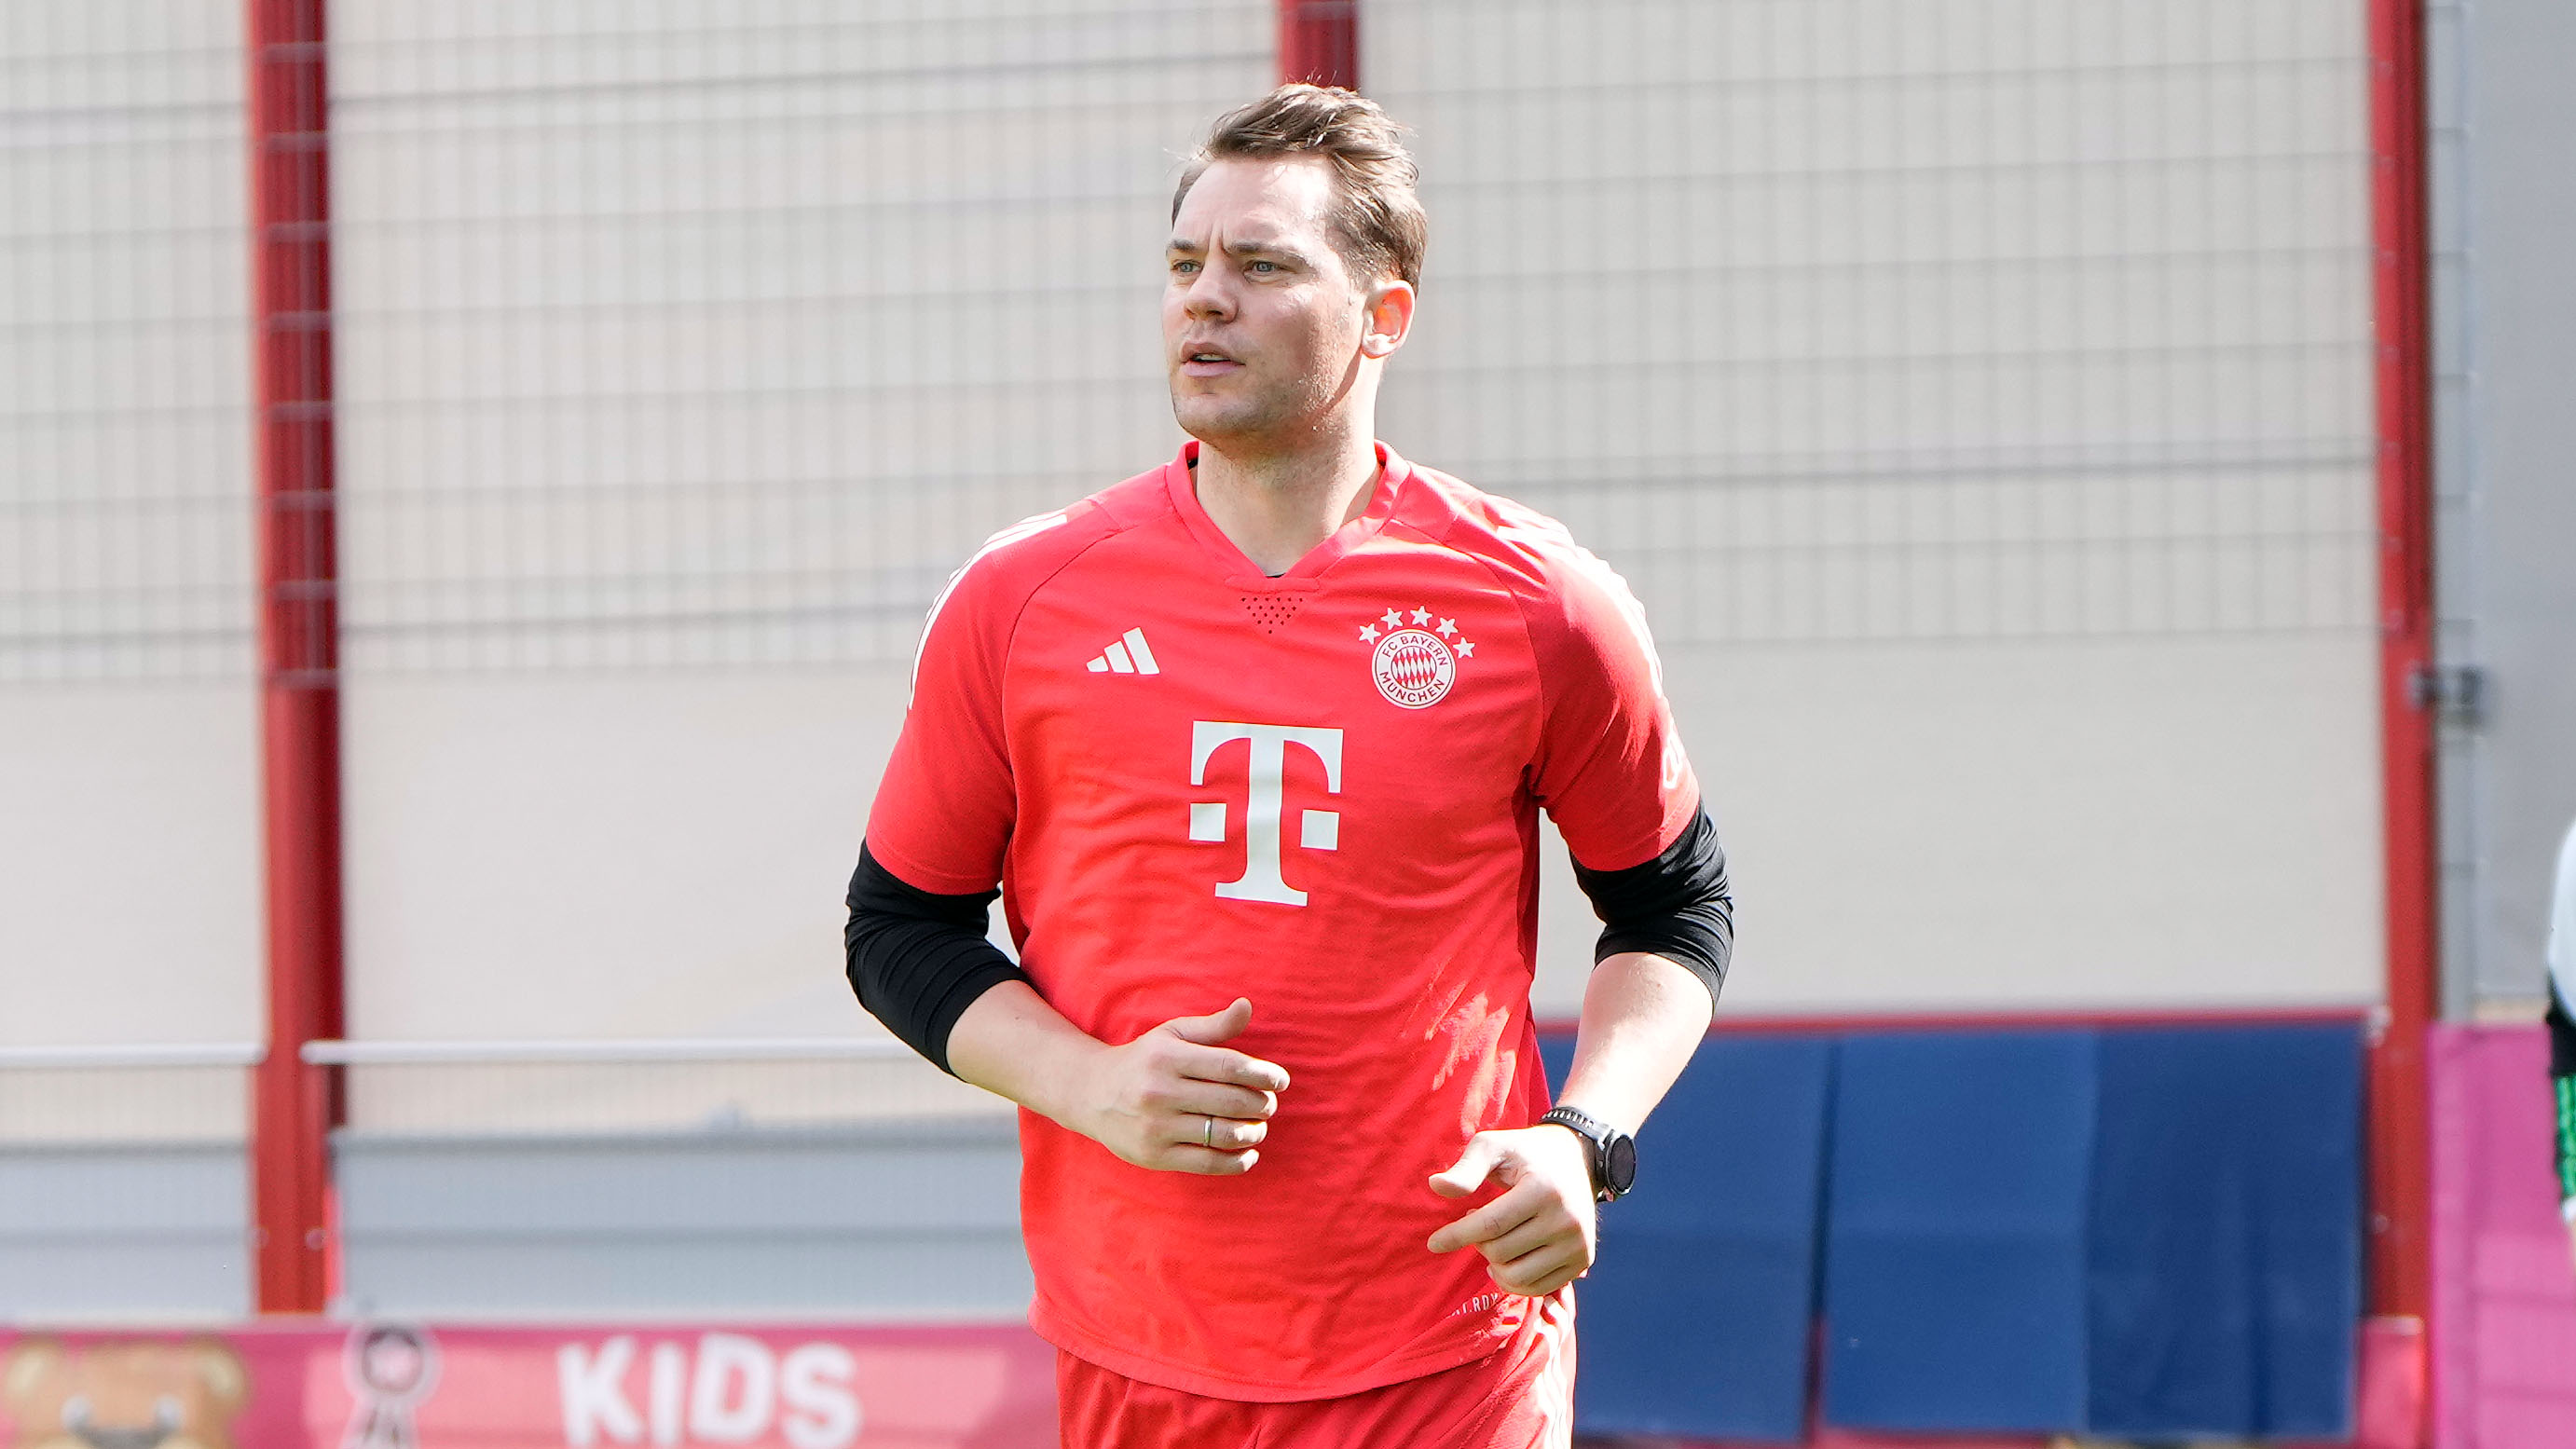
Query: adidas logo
x=1128, y=656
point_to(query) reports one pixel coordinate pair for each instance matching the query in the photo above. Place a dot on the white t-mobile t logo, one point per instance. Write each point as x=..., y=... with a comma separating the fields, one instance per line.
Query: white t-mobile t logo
x=1316, y=829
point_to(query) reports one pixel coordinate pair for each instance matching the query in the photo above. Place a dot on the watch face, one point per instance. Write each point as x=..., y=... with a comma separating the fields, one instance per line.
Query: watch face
x=1619, y=1164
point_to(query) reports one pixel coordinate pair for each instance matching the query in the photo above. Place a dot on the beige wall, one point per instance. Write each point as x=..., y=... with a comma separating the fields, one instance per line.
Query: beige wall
x=1998, y=827
x=609, y=855
x=130, y=902
x=627, y=855
x=129, y=845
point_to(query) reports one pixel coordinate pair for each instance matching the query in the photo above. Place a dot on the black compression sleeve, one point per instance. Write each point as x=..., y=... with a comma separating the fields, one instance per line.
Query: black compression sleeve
x=2562, y=1036
x=2562, y=1091
x=1676, y=905
x=916, y=959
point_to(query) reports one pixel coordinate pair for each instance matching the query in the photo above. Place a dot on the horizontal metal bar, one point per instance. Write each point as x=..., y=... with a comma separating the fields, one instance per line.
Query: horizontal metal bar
x=568, y=1053
x=133, y=1054
x=990, y=1123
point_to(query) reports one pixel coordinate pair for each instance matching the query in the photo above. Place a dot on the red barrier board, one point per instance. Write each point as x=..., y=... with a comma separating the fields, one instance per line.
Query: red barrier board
x=411, y=1386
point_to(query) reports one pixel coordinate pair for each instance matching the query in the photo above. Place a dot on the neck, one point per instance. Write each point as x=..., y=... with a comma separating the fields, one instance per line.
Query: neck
x=1277, y=507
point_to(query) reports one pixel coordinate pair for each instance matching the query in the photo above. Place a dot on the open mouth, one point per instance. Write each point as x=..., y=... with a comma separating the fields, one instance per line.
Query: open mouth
x=1207, y=362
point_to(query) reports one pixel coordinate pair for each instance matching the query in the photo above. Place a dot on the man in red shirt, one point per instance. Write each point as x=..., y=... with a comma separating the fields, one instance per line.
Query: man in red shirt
x=1254, y=745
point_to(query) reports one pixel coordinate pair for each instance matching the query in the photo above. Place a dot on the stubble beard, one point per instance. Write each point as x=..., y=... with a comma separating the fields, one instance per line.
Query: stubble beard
x=1223, y=423
x=1251, y=424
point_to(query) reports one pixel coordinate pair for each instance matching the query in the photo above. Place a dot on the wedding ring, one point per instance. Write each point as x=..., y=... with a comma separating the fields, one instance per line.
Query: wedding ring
x=1207, y=1133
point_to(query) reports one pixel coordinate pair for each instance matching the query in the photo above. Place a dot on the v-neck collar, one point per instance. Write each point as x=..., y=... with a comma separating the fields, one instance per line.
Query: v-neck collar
x=1239, y=569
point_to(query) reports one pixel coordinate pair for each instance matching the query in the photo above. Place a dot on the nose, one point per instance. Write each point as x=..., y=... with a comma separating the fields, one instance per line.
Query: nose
x=1208, y=296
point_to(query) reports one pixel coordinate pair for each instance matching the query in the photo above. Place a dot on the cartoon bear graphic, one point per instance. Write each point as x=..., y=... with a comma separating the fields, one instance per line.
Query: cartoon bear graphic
x=137, y=1394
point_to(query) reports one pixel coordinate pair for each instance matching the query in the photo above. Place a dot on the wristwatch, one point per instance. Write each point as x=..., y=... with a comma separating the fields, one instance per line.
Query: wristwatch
x=1611, y=1153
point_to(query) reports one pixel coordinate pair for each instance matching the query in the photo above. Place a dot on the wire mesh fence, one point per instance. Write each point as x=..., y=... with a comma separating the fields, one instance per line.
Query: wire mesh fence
x=687, y=334
x=1867, y=320
x=125, y=496
x=700, y=333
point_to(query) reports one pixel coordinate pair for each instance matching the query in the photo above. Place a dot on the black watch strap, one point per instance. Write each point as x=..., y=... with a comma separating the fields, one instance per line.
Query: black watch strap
x=1611, y=1153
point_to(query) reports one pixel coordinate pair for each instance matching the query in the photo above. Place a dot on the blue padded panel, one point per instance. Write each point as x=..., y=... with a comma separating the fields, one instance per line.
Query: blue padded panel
x=2226, y=1241
x=1954, y=1265
x=1695, y=1321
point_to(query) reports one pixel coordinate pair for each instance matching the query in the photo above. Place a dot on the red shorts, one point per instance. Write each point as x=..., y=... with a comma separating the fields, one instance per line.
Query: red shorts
x=1520, y=1396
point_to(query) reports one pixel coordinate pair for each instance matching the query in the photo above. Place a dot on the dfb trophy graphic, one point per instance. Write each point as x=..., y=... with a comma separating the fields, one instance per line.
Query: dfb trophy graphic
x=390, y=1368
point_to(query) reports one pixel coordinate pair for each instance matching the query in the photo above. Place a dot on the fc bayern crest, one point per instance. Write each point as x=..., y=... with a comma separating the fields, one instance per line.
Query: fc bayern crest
x=1413, y=668
x=1415, y=663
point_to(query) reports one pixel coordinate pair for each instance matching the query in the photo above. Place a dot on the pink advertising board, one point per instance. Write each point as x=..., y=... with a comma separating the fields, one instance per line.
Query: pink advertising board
x=411, y=1386
x=2504, y=1290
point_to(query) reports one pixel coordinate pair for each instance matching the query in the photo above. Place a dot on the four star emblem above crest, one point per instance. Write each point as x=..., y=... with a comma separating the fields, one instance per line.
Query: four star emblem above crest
x=1397, y=620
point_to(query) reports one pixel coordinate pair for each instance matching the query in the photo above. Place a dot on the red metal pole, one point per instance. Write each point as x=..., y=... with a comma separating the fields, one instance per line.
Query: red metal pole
x=2400, y=1140
x=1319, y=41
x=298, y=640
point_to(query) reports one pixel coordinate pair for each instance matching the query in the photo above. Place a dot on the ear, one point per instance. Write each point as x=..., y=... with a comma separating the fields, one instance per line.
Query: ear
x=32, y=1364
x=1389, y=318
x=220, y=1369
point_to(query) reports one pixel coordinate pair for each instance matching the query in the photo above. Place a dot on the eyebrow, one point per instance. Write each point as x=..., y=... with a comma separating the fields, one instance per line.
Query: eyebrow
x=1185, y=246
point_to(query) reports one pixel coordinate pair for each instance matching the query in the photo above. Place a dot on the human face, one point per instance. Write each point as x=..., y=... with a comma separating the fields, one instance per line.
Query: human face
x=1266, y=333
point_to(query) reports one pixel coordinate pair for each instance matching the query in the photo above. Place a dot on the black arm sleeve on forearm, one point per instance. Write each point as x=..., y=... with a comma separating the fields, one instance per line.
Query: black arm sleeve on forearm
x=2562, y=1036
x=918, y=960
x=1676, y=905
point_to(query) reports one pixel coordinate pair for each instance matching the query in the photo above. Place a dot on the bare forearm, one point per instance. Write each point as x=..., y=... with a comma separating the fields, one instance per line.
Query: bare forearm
x=1011, y=1042
x=1173, y=1099
x=1643, y=1016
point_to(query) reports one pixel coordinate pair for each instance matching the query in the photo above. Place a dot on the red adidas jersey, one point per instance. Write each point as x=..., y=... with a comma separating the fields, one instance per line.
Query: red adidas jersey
x=1320, y=792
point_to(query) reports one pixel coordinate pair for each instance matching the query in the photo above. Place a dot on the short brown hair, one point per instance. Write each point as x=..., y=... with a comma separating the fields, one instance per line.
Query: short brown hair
x=1380, y=219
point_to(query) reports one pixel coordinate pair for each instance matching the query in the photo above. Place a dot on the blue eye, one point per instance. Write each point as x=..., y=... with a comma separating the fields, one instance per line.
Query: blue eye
x=1265, y=266
x=1185, y=266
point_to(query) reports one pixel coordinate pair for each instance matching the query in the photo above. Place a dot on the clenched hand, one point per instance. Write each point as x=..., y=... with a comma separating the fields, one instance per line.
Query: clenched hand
x=1176, y=1099
x=1538, y=1236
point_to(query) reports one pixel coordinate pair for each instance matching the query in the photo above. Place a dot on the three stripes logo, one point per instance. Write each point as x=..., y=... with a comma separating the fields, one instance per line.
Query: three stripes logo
x=1130, y=655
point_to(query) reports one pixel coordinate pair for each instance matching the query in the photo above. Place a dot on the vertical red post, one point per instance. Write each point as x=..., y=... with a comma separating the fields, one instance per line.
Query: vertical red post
x=298, y=642
x=2400, y=1141
x=1319, y=41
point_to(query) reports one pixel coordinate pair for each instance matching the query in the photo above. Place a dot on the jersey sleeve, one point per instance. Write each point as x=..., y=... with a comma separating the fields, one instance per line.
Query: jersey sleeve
x=945, y=807
x=1610, y=769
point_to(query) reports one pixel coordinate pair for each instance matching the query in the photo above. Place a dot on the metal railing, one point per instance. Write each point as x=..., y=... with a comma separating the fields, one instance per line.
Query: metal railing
x=132, y=1055
x=472, y=1089
x=126, y=1093
x=635, y=1051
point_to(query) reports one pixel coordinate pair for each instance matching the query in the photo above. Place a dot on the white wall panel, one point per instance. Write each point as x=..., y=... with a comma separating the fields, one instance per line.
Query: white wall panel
x=129, y=828
x=1977, y=393
x=130, y=848
x=2008, y=826
x=609, y=854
